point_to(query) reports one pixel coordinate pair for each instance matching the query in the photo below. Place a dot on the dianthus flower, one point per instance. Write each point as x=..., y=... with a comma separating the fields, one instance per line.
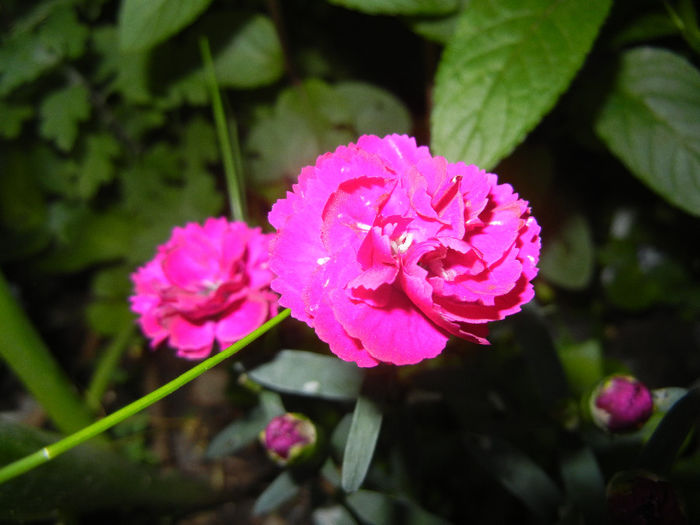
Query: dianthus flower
x=207, y=283
x=386, y=251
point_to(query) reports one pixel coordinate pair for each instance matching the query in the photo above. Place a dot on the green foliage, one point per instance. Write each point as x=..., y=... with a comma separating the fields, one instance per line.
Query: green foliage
x=400, y=7
x=502, y=71
x=142, y=25
x=313, y=118
x=61, y=112
x=650, y=121
x=567, y=259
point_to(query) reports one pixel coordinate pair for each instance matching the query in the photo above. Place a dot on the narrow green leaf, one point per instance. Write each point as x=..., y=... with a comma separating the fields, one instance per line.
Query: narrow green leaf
x=651, y=122
x=310, y=374
x=502, y=71
x=145, y=24
x=400, y=7
x=87, y=478
x=61, y=112
x=29, y=358
x=375, y=507
x=517, y=473
x=282, y=489
x=335, y=515
x=567, y=254
x=660, y=452
x=362, y=439
x=246, y=429
x=584, y=483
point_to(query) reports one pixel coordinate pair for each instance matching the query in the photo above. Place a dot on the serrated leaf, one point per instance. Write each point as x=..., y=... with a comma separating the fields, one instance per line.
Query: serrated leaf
x=142, y=25
x=281, y=490
x=28, y=54
x=651, y=122
x=517, y=473
x=313, y=118
x=502, y=71
x=246, y=429
x=309, y=374
x=375, y=507
x=362, y=439
x=568, y=255
x=97, y=167
x=61, y=112
x=400, y=7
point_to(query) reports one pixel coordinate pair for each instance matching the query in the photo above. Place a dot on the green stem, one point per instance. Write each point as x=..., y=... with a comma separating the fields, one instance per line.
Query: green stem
x=232, y=169
x=51, y=451
x=107, y=363
x=30, y=359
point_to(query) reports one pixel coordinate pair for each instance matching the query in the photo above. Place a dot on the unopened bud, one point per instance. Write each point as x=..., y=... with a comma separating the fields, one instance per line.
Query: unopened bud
x=289, y=438
x=640, y=497
x=621, y=403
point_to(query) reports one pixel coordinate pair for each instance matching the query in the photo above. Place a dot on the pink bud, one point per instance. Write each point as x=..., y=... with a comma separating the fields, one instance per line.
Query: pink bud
x=289, y=438
x=621, y=403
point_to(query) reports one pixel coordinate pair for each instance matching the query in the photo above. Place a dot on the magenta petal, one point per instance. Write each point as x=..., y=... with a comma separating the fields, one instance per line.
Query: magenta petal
x=186, y=336
x=188, y=268
x=241, y=321
x=397, y=333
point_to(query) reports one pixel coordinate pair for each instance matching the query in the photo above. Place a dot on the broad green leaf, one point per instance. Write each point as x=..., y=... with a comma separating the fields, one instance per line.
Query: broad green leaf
x=310, y=374
x=568, y=255
x=375, y=507
x=651, y=122
x=314, y=118
x=517, y=473
x=282, y=489
x=502, y=71
x=246, y=429
x=249, y=54
x=142, y=25
x=61, y=112
x=400, y=7
x=362, y=439
x=13, y=116
x=97, y=167
x=85, y=479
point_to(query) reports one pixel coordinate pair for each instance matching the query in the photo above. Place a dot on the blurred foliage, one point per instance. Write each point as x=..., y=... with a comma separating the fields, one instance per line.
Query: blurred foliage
x=590, y=109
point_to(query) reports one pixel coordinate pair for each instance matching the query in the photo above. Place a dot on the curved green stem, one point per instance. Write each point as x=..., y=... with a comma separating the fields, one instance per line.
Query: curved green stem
x=51, y=451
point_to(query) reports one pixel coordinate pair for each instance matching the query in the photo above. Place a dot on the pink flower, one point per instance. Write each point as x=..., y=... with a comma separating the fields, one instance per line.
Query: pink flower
x=386, y=250
x=289, y=438
x=621, y=403
x=207, y=283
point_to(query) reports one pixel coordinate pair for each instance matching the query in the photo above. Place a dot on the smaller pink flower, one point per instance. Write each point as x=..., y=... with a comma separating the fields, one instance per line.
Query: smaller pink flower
x=207, y=283
x=621, y=403
x=289, y=438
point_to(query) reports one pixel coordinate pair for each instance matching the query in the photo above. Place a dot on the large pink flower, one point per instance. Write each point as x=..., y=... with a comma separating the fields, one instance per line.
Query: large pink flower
x=207, y=283
x=386, y=250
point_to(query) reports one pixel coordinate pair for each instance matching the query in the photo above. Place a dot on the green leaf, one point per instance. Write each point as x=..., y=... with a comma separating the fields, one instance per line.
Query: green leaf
x=97, y=167
x=517, y=473
x=282, y=489
x=246, y=429
x=651, y=122
x=568, y=255
x=12, y=119
x=61, y=113
x=503, y=70
x=583, y=364
x=86, y=479
x=314, y=118
x=335, y=515
x=400, y=7
x=661, y=451
x=35, y=49
x=375, y=507
x=310, y=374
x=249, y=55
x=584, y=482
x=362, y=439
x=142, y=25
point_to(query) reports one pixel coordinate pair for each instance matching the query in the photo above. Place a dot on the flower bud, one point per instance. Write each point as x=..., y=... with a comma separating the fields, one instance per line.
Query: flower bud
x=640, y=497
x=621, y=403
x=289, y=438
